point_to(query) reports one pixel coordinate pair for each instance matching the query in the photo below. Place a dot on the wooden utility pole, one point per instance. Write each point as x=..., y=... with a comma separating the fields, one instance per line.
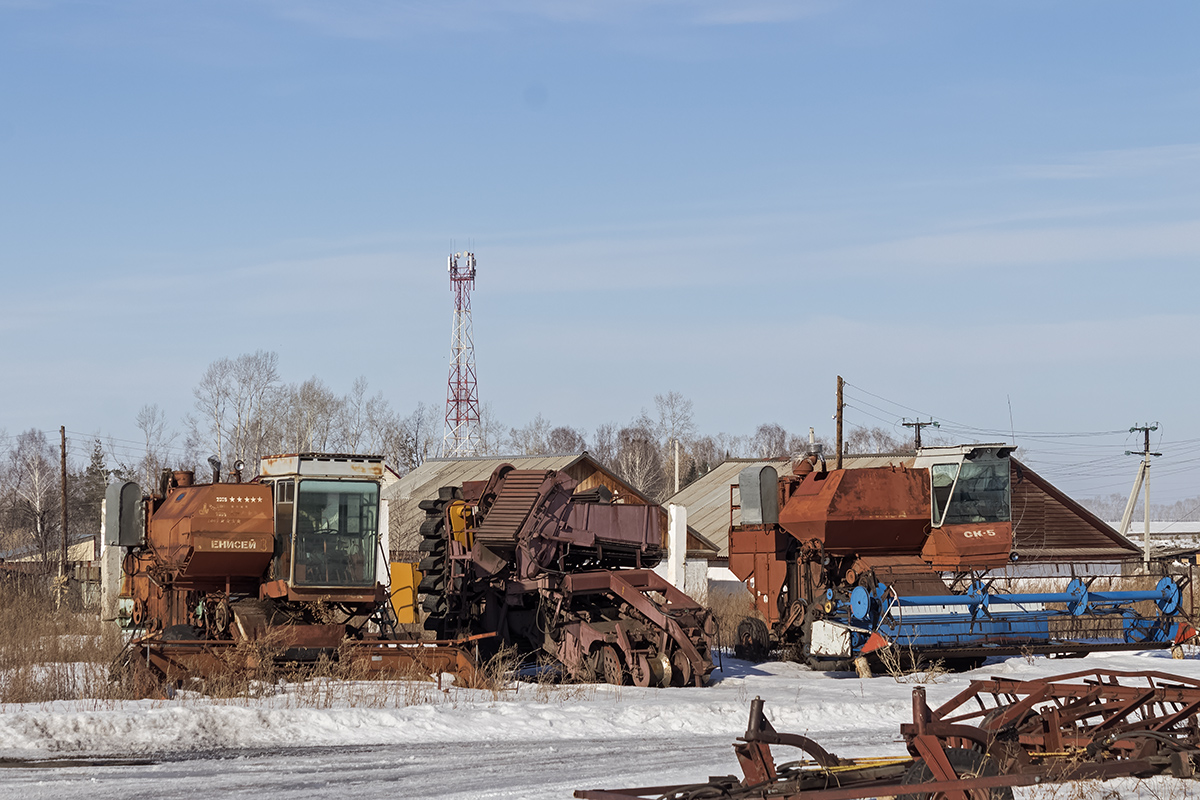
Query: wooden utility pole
x=918, y=425
x=837, y=462
x=62, y=564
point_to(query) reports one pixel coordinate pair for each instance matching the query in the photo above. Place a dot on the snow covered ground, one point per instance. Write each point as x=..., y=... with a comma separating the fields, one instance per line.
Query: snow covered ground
x=389, y=740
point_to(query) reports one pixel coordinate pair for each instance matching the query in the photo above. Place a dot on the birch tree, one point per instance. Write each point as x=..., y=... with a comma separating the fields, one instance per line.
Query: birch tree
x=34, y=477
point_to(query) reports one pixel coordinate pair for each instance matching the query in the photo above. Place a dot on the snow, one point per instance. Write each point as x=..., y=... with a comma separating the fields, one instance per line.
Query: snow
x=394, y=739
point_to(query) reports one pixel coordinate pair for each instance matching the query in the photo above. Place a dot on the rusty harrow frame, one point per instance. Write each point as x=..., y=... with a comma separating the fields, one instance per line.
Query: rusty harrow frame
x=992, y=736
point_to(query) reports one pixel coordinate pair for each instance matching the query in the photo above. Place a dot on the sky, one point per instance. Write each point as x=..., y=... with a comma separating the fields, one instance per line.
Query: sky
x=985, y=213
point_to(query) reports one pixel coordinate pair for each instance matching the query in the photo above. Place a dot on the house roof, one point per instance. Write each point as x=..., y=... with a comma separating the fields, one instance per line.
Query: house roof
x=30, y=551
x=422, y=483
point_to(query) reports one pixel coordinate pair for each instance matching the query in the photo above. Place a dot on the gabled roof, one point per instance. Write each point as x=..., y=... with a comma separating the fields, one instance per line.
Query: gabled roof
x=1048, y=525
x=422, y=483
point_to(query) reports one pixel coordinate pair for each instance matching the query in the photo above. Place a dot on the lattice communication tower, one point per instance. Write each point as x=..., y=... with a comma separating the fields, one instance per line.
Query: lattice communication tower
x=462, y=436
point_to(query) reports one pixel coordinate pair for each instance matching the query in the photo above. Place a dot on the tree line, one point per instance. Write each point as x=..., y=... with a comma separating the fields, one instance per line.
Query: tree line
x=31, y=494
x=242, y=409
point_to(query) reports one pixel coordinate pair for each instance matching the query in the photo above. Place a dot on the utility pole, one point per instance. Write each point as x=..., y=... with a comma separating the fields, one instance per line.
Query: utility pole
x=838, y=416
x=918, y=425
x=1142, y=481
x=62, y=564
x=677, y=466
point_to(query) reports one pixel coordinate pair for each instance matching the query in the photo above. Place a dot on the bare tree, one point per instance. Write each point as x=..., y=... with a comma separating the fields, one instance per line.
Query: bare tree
x=564, y=439
x=355, y=416
x=413, y=439
x=33, y=472
x=873, y=440
x=706, y=454
x=152, y=422
x=378, y=418
x=604, y=445
x=639, y=458
x=533, y=439
x=253, y=379
x=212, y=398
x=491, y=432
x=734, y=446
x=771, y=441
x=675, y=424
x=310, y=419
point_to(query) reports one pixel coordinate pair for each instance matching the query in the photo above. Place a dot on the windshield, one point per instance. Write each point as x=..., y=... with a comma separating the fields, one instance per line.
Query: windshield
x=981, y=493
x=943, y=476
x=337, y=524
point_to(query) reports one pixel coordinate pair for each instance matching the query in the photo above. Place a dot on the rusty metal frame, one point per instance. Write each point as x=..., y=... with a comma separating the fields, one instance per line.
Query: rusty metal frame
x=383, y=658
x=1096, y=724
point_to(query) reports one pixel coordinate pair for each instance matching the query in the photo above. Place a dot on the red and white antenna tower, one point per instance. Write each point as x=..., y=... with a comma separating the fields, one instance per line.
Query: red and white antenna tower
x=462, y=436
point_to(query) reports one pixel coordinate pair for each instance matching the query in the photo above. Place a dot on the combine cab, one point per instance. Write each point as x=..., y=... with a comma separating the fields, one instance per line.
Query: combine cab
x=843, y=563
x=562, y=576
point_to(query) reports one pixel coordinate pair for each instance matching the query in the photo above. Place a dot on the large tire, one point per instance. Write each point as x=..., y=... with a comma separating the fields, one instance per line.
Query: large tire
x=182, y=633
x=753, y=640
x=434, y=567
x=967, y=764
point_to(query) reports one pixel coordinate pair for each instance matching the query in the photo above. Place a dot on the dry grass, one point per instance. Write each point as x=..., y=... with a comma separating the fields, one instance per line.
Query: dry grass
x=51, y=654
x=1160, y=788
x=728, y=609
x=906, y=665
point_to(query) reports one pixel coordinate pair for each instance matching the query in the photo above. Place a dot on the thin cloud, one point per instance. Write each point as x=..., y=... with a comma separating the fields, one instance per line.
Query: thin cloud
x=1026, y=247
x=759, y=13
x=382, y=20
x=1116, y=163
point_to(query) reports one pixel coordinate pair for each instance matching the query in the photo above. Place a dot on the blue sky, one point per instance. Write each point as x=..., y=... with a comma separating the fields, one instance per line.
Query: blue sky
x=960, y=207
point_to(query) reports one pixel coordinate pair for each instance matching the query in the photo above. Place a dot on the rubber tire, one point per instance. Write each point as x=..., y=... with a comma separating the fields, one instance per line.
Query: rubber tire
x=182, y=633
x=753, y=640
x=967, y=764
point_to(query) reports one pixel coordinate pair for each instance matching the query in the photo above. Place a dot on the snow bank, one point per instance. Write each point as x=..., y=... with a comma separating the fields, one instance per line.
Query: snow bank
x=856, y=715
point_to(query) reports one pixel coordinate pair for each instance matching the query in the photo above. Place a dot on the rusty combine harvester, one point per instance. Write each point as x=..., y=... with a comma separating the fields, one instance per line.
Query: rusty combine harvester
x=994, y=735
x=291, y=561
x=561, y=575
x=843, y=563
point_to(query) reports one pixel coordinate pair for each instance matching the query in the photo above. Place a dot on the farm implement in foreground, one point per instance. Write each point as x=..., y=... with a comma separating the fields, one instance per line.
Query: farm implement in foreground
x=992, y=736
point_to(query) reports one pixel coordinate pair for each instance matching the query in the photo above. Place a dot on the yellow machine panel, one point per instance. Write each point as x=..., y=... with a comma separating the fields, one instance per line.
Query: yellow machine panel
x=405, y=578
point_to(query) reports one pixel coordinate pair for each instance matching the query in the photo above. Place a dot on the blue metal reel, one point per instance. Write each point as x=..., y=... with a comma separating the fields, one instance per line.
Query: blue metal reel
x=1078, y=605
x=1171, y=596
x=860, y=603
